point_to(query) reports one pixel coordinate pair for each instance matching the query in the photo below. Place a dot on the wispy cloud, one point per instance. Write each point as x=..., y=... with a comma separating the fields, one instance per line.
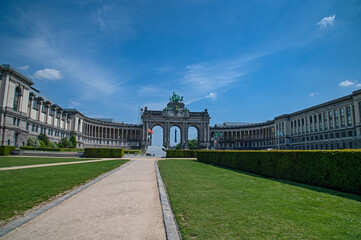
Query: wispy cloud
x=211, y=95
x=23, y=67
x=47, y=48
x=312, y=94
x=163, y=70
x=113, y=19
x=148, y=90
x=346, y=83
x=206, y=77
x=48, y=74
x=326, y=21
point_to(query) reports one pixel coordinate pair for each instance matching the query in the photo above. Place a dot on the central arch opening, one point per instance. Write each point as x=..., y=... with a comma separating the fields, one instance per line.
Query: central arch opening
x=157, y=136
x=175, y=137
x=192, y=138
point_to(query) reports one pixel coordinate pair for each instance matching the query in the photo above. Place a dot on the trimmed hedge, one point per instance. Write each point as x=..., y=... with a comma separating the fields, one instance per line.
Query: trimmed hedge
x=340, y=170
x=132, y=151
x=31, y=148
x=181, y=153
x=104, y=152
x=5, y=150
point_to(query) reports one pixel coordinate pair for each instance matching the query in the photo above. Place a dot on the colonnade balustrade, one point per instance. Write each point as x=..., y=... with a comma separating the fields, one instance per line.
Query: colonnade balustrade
x=94, y=131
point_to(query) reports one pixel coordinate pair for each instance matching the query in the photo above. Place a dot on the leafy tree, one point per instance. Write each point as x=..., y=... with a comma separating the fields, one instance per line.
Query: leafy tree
x=32, y=141
x=44, y=141
x=192, y=144
x=73, y=141
x=65, y=143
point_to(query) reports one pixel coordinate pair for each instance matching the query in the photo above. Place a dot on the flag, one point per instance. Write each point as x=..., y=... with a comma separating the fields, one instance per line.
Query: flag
x=150, y=131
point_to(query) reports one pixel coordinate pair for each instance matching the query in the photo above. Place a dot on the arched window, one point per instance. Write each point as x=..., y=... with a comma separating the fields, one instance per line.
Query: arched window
x=17, y=95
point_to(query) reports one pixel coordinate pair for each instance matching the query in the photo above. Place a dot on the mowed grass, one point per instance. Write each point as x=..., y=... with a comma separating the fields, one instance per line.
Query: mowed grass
x=23, y=189
x=211, y=202
x=23, y=161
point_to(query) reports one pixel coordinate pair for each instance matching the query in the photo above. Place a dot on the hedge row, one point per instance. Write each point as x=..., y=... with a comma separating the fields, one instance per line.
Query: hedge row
x=31, y=148
x=181, y=153
x=132, y=151
x=5, y=150
x=104, y=152
x=340, y=170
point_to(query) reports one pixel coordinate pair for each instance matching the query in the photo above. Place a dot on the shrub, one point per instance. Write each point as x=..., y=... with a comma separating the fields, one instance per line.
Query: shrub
x=340, y=170
x=181, y=153
x=132, y=151
x=31, y=148
x=5, y=150
x=104, y=152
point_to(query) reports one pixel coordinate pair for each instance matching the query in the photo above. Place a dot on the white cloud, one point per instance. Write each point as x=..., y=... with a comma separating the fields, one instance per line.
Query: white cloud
x=23, y=67
x=346, y=83
x=312, y=94
x=326, y=21
x=211, y=95
x=358, y=85
x=48, y=73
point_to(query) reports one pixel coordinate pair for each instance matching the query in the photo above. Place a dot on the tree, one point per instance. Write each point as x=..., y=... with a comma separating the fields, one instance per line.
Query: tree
x=73, y=141
x=65, y=143
x=44, y=141
x=32, y=141
x=192, y=145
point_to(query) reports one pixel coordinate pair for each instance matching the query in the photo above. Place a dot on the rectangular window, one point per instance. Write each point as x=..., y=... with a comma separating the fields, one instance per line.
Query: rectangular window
x=325, y=125
x=320, y=121
x=32, y=128
x=311, y=124
x=315, y=123
x=43, y=108
x=14, y=121
x=348, y=114
x=306, y=119
x=303, y=125
x=17, y=122
x=335, y=112
x=330, y=118
x=27, y=126
x=36, y=128
x=35, y=105
x=299, y=126
x=292, y=128
x=342, y=114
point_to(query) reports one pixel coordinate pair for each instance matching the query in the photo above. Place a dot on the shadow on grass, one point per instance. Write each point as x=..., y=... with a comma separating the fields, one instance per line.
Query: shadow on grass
x=302, y=185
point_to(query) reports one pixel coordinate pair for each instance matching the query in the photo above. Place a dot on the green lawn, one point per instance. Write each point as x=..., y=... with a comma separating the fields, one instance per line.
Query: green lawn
x=22, y=189
x=22, y=161
x=211, y=202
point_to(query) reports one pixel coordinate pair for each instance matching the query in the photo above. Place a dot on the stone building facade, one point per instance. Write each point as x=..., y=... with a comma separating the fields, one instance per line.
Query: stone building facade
x=332, y=125
x=25, y=112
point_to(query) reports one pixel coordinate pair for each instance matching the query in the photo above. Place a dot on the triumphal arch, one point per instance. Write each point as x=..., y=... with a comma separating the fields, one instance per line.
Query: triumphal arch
x=176, y=114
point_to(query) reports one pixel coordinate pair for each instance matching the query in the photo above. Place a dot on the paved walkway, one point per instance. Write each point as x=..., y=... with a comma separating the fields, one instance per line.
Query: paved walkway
x=124, y=205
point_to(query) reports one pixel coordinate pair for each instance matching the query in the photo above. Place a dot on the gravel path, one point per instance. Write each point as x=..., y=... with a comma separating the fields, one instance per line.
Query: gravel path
x=124, y=205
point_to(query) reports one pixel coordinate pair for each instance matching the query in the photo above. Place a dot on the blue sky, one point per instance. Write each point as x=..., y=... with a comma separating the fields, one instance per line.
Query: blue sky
x=245, y=61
